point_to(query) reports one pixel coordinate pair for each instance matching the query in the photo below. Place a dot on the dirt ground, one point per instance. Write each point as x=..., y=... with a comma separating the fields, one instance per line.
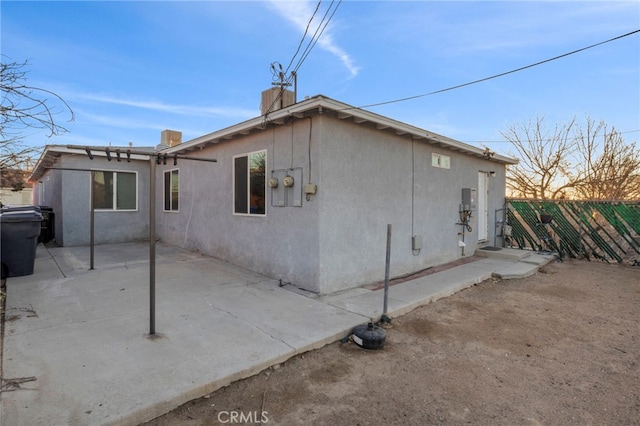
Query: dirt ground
x=561, y=347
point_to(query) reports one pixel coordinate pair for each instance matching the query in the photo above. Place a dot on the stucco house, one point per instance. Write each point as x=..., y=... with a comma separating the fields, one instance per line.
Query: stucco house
x=63, y=181
x=304, y=194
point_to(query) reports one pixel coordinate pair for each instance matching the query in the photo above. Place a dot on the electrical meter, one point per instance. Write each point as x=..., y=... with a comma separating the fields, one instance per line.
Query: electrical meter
x=468, y=199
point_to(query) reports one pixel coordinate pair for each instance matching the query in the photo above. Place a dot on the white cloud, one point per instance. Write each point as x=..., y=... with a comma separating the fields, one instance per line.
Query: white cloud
x=101, y=129
x=190, y=110
x=299, y=13
x=119, y=122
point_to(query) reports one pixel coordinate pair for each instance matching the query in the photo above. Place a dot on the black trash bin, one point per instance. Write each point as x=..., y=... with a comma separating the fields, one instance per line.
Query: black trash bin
x=19, y=231
x=19, y=209
x=47, y=230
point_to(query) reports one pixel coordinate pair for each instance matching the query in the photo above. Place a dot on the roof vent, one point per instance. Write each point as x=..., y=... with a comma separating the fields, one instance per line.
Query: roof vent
x=272, y=101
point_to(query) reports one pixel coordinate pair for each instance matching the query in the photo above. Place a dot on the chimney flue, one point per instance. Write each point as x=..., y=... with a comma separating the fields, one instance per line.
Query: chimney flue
x=272, y=101
x=170, y=138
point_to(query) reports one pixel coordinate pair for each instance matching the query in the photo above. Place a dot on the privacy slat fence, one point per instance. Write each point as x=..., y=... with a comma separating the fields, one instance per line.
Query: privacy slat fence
x=604, y=230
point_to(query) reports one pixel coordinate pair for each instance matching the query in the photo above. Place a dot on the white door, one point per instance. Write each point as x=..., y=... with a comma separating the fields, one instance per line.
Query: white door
x=483, y=206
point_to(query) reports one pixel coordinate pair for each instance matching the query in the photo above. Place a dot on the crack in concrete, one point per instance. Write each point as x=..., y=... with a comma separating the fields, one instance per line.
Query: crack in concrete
x=231, y=314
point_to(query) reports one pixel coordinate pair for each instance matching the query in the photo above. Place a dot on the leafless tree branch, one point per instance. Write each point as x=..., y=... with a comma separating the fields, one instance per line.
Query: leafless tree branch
x=25, y=107
x=589, y=162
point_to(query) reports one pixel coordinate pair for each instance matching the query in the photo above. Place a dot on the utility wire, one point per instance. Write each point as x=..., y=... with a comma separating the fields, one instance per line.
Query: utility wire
x=280, y=76
x=322, y=25
x=497, y=75
x=303, y=36
x=318, y=33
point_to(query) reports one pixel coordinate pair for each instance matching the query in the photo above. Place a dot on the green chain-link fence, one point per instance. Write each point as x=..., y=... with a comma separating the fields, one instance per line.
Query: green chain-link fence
x=606, y=230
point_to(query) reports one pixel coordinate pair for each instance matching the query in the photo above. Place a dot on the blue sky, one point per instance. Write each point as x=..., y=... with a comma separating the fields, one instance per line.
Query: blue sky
x=131, y=69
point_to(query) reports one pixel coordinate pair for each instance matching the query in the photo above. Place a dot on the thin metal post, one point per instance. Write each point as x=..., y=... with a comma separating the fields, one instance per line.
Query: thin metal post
x=93, y=214
x=386, y=271
x=153, y=158
x=152, y=245
x=295, y=86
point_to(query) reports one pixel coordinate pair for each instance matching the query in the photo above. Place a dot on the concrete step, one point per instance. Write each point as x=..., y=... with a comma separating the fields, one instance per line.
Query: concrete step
x=503, y=253
x=540, y=259
x=516, y=270
x=526, y=267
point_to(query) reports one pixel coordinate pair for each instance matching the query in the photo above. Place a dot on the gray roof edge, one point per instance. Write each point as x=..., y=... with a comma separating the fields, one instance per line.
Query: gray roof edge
x=54, y=151
x=324, y=102
x=420, y=133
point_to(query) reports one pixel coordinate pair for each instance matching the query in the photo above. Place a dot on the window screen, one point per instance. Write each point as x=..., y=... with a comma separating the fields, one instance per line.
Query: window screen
x=114, y=190
x=249, y=179
x=171, y=190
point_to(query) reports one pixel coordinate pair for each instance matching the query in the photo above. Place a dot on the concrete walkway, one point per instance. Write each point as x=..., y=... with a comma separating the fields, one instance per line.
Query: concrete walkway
x=77, y=350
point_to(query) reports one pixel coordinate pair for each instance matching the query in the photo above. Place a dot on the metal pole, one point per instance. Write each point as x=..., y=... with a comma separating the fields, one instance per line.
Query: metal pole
x=93, y=213
x=295, y=86
x=152, y=212
x=152, y=245
x=386, y=272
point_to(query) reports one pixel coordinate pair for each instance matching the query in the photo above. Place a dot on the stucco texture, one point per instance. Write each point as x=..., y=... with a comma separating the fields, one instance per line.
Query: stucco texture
x=366, y=178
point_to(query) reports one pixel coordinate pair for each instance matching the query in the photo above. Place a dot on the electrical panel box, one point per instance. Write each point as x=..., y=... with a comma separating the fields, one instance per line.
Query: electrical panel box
x=288, y=191
x=294, y=191
x=310, y=189
x=416, y=242
x=278, y=193
x=468, y=199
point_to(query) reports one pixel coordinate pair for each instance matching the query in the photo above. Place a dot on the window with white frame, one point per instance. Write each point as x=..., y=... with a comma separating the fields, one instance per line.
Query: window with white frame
x=171, y=190
x=114, y=190
x=249, y=183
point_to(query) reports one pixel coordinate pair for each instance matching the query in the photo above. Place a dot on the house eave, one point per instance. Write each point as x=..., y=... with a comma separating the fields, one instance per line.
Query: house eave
x=52, y=153
x=323, y=105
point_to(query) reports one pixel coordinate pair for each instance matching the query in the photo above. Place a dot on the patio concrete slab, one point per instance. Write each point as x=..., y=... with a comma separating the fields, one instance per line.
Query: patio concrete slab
x=409, y=295
x=85, y=336
x=80, y=338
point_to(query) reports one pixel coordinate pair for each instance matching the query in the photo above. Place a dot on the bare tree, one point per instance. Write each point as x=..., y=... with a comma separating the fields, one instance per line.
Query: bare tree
x=588, y=162
x=609, y=167
x=542, y=172
x=25, y=107
x=13, y=178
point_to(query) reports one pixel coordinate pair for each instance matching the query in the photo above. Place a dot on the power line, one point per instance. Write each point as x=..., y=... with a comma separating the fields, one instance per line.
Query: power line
x=279, y=76
x=306, y=30
x=284, y=80
x=497, y=75
x=318, y=33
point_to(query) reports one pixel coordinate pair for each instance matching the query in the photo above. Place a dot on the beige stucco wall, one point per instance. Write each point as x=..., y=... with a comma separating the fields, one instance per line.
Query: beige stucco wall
x=16, y=198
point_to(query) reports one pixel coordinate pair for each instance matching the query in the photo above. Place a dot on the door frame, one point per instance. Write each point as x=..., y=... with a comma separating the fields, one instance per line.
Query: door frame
x=483, y=207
